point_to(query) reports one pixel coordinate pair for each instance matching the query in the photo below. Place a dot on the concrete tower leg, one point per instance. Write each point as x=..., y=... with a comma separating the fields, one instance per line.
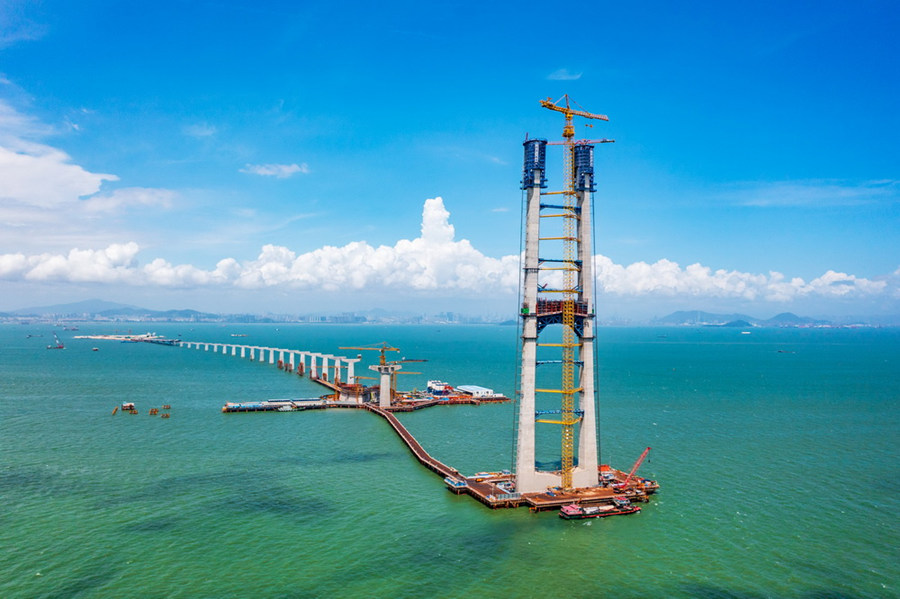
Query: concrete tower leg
x=587, y=474
x=527, y=478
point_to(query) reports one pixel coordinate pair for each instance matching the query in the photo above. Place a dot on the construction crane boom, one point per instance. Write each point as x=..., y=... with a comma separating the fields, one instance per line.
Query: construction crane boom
x=582, y=142
x=569, y=112
x=384, y=347
x=637, y=465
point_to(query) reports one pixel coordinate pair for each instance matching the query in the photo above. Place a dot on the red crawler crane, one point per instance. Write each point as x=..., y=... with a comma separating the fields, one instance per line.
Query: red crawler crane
x=637, y=465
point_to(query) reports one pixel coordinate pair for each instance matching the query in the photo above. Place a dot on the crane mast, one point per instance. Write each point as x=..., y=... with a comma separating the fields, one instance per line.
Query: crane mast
x=571, y=267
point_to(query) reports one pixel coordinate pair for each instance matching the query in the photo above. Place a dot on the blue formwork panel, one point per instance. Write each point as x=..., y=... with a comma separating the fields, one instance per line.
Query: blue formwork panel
x=535, y=159
x=584, y=167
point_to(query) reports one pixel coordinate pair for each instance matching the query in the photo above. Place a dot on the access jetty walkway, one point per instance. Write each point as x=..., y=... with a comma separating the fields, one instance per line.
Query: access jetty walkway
x=487, y=492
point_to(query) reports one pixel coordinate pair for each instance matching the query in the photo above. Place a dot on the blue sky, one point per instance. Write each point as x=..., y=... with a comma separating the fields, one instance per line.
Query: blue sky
x=289, y=157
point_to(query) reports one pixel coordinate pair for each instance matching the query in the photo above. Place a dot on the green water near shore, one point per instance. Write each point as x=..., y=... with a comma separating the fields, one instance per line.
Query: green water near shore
x=776, y=452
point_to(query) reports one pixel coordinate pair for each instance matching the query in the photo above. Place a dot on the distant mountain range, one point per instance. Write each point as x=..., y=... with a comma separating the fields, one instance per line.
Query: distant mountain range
x=698, y=318
x=101, y=310
x=104, y=311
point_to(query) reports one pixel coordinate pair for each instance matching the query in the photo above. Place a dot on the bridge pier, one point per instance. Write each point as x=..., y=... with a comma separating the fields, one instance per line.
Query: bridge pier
x=323, y=370
x=301, y=367
x=290, y=360
x=351, y=376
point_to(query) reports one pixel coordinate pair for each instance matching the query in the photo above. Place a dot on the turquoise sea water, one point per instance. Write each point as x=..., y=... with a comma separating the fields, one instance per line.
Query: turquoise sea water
x=776, y=451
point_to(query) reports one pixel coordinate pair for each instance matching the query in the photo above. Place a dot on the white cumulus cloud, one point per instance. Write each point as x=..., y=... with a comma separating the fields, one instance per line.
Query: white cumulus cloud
x=47, y=198
x=563, y=75
x=667, y=278
x=434, y=262
x=115, y=264
x=279, y=171
x=35, y=174
x=38, y=175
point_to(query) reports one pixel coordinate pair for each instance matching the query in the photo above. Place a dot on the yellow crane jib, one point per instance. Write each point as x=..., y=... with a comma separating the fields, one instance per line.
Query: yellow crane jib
x=569, y=112
x=383, y=348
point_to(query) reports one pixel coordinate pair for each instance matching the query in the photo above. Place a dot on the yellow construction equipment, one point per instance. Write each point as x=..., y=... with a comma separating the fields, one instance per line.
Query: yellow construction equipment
x=382, y=361
x=569, y=112
x=384, y=348
x=571, y=345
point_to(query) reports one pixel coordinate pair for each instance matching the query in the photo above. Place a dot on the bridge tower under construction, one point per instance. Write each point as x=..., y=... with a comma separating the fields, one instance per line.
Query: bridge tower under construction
x=556, y=383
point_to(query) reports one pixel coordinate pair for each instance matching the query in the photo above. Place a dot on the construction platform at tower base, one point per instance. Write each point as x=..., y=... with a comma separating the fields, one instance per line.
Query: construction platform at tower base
x=495, y=490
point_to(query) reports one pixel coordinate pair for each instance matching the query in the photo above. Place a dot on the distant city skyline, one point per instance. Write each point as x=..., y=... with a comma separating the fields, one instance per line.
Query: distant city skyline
x=281, y=158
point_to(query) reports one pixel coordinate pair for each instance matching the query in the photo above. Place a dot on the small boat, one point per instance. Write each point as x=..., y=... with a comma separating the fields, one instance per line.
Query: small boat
x=619, y=507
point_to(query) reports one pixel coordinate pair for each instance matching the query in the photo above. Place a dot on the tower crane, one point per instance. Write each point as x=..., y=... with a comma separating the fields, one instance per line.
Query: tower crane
x=384, y=348
x=395, y=373
x=387, y=369
x=571, y=345
x=569, y=112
